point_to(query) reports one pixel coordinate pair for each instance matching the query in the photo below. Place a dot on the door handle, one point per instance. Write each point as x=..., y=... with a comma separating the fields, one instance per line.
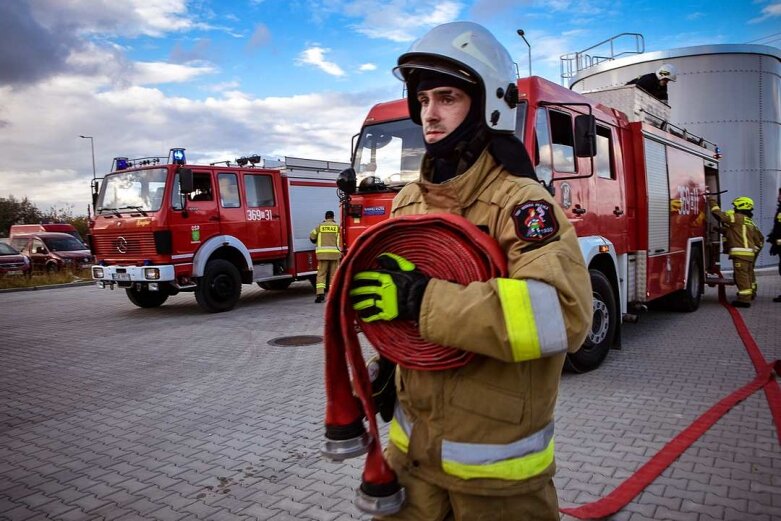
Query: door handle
x=618, y=211
x=578, y=210
x=214, y=218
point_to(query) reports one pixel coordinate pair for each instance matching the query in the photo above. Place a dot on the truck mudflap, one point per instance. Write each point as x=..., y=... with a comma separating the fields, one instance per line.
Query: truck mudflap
x=124, y=276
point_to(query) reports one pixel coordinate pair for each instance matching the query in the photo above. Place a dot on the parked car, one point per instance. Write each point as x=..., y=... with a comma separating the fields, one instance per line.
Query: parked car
x=26, y=229
x=12, y=262
x=50, y=252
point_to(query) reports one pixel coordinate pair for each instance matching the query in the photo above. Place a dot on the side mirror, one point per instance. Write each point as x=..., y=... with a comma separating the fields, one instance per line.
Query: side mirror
x=585, y=136
x=95, y=185
x=186, y=181
x=346, y=181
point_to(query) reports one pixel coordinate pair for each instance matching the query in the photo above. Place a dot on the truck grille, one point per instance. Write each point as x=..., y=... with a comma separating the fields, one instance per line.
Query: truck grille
x=133, y=244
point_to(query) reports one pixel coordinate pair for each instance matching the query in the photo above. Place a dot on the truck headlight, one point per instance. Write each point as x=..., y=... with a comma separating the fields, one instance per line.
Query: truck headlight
x=151, y=273
x=97, y=272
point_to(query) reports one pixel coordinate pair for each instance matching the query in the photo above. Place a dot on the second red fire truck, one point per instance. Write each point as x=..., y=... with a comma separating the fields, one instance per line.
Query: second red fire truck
x=632, y=184
x=162, y=226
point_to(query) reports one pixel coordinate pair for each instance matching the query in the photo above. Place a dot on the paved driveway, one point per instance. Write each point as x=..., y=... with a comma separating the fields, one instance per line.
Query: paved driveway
x=108, y=411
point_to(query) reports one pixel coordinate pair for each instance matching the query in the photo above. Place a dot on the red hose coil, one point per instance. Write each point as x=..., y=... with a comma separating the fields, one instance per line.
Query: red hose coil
x=443, y=246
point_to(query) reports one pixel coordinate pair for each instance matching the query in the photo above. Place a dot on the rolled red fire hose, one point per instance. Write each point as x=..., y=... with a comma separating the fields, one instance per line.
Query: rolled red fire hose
x=442, y=246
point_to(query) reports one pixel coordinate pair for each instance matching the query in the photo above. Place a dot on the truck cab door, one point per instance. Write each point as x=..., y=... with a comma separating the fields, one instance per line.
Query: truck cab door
x=264, y=213
x=196, y=217
x=231, y=208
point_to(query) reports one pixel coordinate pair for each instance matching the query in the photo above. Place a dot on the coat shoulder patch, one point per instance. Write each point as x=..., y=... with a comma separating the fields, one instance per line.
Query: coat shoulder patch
x=535, y=221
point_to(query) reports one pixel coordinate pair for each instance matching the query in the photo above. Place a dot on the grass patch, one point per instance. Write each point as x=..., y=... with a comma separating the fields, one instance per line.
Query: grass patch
x=44, y=279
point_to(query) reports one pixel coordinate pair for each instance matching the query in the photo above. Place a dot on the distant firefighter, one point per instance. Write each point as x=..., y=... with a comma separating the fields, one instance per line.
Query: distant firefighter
x=655, y=83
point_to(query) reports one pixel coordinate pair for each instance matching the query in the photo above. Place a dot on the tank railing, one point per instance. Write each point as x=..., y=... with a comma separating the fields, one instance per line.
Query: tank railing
x=575, y=62
x=681, y=132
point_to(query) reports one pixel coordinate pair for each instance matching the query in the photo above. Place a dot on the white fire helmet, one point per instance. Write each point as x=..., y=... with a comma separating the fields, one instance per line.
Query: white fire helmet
x=467, y=51
x=667, y=72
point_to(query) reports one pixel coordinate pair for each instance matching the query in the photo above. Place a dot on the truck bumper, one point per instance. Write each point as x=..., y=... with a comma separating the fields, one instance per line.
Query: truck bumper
x=125, y=276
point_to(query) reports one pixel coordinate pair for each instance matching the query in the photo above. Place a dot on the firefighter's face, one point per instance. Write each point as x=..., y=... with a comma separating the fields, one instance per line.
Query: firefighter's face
x=442, y=110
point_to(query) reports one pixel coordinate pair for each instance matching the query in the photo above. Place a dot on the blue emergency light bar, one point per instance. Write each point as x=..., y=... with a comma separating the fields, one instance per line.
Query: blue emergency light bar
x=121, y=163
x=177, y=156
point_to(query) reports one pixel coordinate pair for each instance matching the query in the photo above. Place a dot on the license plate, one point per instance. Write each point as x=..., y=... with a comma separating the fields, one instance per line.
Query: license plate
x=14, y=272
x=122, y=276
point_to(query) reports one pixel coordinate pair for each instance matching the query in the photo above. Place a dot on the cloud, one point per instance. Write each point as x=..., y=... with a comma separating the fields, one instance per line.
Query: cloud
x=316, y=56
x=129, y=18
x=769, y=11
x=367, y=67
x=28, y=51
x=401, y=20
x=695, y=16
x=199, y=51
x=44, y=122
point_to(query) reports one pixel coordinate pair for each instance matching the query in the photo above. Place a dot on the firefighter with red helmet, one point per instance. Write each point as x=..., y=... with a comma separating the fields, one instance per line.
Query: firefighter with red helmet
x=477, y=441
x=743, y=241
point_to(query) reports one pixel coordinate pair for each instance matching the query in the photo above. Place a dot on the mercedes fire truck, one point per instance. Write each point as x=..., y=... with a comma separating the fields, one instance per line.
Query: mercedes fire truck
x=162, y=226
x=632, y=184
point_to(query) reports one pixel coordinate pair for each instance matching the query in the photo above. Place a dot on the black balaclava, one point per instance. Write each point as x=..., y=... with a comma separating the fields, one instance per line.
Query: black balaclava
x=454, y=154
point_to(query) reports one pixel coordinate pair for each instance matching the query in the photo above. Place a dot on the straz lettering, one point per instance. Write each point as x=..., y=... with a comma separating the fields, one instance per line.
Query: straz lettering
x=259, y=215
x=689, y=200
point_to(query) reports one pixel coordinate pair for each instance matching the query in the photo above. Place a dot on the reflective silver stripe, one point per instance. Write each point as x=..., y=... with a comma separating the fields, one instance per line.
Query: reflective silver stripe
x=401, y=419
x=551, y=331
x=487, y=453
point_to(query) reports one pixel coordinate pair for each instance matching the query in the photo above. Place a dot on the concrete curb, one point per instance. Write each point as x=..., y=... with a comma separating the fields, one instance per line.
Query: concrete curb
x=50, y=286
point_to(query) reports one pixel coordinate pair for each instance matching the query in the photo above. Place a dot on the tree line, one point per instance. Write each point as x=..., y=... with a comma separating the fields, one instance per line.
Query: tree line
x=23, y=211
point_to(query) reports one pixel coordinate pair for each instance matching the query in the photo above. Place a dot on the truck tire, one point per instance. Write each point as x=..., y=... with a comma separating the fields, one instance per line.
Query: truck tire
x=688, y=299
x=603, y=327
x=276, y=285
x=145, y=298
x=220, y=287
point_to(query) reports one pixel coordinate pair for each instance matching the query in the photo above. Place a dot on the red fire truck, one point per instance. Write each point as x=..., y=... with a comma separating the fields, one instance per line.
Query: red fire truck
x=632, y=184
x=161, y=226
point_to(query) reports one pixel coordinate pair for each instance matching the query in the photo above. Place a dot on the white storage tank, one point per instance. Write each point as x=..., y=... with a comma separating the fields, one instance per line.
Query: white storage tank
x=728, y=94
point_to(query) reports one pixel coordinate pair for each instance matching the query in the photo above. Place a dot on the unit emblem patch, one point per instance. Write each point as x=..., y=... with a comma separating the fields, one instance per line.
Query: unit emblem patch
x=535, y=221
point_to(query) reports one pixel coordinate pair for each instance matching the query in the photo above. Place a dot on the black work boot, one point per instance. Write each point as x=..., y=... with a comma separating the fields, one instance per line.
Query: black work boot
x=777, y=299
x=740, y=304
x=319, y=299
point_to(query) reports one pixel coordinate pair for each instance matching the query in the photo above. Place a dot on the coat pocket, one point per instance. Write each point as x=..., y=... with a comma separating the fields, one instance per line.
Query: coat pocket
x=487, y=401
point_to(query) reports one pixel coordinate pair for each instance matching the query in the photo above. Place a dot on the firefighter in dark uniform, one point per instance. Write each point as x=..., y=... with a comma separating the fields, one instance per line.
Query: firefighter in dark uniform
x=744, y=241
x=655, y=83
x=476, y=442
x=328, y=239
x=775, y=238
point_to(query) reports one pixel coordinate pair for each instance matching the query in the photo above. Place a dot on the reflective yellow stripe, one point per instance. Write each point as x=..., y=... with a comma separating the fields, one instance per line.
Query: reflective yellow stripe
x=742, y=252
x=533, y=318
x=396, y=434
x=519, y=319
x=513, y=469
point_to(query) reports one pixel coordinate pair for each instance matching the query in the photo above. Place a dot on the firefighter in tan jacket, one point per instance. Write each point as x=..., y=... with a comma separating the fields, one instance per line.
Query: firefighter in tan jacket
x=328, y=239
x=477, y=442
x=742, y=242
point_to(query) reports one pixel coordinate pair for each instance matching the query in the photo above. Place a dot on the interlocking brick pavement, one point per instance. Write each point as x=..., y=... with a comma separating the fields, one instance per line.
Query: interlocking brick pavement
x=108, y=411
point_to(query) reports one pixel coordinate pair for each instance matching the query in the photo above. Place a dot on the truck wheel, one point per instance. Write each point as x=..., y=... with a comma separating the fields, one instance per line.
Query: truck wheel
x=603, y=327
x=145, y=298
x=276, y=285
x=688, y=299
x=220, y=287
x=52, y=268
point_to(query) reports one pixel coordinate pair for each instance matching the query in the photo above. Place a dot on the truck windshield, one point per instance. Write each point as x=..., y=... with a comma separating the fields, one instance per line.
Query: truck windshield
x=392, y=151
x=139, y=190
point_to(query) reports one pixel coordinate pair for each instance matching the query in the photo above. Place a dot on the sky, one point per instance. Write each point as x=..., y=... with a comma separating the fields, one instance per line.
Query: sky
x=230, y=78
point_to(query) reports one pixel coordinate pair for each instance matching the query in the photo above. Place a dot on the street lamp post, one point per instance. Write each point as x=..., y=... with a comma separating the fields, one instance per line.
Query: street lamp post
x=521, y=34
x=92, y=146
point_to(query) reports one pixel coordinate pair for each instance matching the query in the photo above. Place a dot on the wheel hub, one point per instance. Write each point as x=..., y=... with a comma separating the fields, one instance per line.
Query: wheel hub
x=600, y=323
